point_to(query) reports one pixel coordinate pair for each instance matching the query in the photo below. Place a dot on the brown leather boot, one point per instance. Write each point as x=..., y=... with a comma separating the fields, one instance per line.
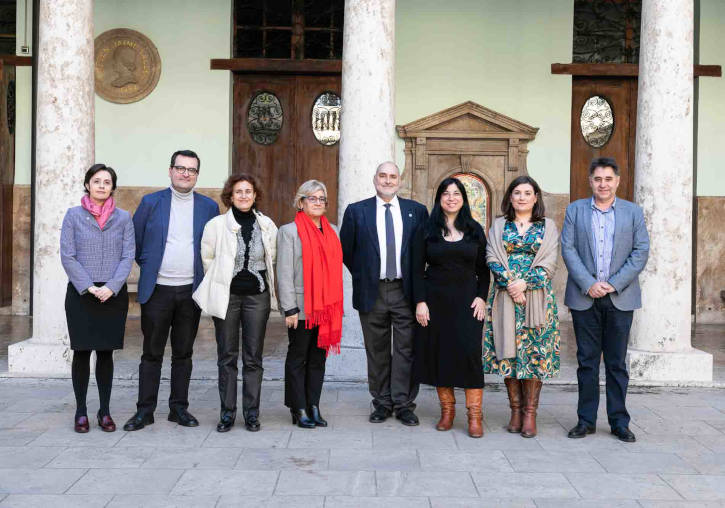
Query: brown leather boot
x=513, y=386
x=531, y=389
x=474, y=397
x=447, y=398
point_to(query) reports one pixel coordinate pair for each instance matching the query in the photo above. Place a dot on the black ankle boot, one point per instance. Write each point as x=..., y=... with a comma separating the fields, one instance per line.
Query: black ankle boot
x=316, y=417
x=302, y=419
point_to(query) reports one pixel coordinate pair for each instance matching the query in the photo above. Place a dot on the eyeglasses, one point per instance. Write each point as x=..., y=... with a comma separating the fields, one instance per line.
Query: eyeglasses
x=314, y=200
x=183, y=169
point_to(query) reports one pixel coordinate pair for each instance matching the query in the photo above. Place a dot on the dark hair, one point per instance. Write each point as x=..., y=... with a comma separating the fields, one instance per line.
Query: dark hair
x=226, y=194
x=603, y=162
x=507, y=208
x=185, y=153
x=436, y=225
x=95, y=169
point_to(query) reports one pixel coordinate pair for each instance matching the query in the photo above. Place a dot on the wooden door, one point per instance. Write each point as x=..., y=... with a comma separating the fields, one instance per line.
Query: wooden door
x=621, y=94
x=295, y=155
x=7, y=177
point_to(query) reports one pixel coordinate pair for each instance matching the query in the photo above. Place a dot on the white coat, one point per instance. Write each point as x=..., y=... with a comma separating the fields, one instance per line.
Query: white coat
x=218, y=251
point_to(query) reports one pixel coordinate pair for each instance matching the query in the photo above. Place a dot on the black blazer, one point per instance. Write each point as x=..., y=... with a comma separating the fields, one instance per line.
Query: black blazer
x=361, y=251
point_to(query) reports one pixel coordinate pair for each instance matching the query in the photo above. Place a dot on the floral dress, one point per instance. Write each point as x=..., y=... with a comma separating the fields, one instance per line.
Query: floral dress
x=537, y=349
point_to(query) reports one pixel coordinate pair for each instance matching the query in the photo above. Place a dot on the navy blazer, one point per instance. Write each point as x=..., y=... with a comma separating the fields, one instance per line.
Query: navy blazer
x=361, y=250
x=151, y=225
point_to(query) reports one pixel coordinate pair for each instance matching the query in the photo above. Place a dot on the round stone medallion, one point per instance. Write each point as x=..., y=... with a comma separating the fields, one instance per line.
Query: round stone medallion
x=127, y=65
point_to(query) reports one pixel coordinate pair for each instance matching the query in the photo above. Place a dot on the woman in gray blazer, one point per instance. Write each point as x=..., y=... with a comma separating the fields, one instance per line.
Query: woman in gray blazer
x=96, y=249
x=309, y=278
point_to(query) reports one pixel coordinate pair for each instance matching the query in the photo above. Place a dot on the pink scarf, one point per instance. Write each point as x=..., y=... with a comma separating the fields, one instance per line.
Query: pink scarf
x=101, y=213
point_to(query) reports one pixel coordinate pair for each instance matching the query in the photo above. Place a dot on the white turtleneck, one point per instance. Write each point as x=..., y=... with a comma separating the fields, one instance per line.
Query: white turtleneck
x=177, y=265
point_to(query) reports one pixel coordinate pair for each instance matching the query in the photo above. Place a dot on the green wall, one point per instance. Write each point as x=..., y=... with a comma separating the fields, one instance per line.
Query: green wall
x=498, y=54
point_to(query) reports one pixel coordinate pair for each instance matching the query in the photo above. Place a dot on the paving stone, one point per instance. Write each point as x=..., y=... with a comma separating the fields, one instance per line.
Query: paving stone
x=44, y=421
x=240, y=438
x=377, y=502
x=602, y=440
x=160, y=501
x=706, y=463
x=493, y=441
x=29, y=481
x=681, y=504
x=191, y=458
x=412, y=438
x=392, y=459
x=698, y=488
x=233, y=501
x=712, y=443
x=586, y=503
x=618, y=462
x=443, y=460
x=480, y=503
x=55, y=500
x=326, y=483
x=430, y=484
x=13, y=457
x=100, y=457
x=705, y=412
x=17, y=436
x=503, y=485
x=360, y=422
x=553, y=462
x=328, y=438
x=123, y=481
x=164, y=433
x=677, y=427
x=621, y=486
x=221, y=482
x=8, y=420
x=66, y=436
x=276, y=459
x=658, y=443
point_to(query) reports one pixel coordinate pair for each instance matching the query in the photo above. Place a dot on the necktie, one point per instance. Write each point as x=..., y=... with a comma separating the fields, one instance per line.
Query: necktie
x=391, y=269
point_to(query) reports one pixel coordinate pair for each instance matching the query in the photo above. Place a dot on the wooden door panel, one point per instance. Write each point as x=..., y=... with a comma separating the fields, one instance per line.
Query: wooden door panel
x=622, y=96
x=7, y=178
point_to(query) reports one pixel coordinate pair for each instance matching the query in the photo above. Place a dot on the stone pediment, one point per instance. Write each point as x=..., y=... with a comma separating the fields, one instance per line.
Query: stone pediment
x=467, y=120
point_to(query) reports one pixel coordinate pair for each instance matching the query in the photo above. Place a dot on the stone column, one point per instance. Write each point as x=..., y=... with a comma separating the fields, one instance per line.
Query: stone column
x=660, y=348
x=64, y=151
x=367, y=137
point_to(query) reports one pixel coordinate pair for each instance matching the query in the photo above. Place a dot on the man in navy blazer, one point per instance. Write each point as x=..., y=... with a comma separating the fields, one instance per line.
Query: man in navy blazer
x=376, y=242
x=605, y=244
x=168, y=226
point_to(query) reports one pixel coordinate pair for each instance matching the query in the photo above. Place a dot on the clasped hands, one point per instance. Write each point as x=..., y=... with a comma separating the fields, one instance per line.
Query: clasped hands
x=102, y=293
x=600, y=289
x=516, y=290
x=422, y=314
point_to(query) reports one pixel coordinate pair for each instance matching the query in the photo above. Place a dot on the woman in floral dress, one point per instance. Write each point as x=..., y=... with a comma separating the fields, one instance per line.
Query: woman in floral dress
x=521, y=335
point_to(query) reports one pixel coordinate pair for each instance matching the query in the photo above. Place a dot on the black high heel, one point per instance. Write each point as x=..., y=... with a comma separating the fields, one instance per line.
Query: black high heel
x=315, y=416
x=300, y=418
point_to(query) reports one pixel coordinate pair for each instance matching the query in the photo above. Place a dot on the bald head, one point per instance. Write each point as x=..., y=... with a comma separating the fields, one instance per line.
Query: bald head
x=387, y=180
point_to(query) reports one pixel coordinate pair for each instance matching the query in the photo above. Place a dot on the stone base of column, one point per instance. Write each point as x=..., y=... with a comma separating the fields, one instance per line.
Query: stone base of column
x=689, y=367
x=34, y=357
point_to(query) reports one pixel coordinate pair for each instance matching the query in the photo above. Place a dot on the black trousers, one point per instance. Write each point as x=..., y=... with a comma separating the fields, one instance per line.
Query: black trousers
x=602, y=329
x=390, y=374
x=304, y=368
x=251, y=312
x=169, y=308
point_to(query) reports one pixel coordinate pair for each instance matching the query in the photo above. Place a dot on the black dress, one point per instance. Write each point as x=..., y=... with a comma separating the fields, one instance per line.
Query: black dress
x=448, y=352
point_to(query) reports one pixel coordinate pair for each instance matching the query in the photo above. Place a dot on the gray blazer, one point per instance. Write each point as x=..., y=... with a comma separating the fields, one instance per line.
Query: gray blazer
x=629, y=254
x=290, y=284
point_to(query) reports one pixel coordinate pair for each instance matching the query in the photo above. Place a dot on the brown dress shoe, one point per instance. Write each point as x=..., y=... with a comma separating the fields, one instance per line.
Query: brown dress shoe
x=447, y=398
x=81, y=424
x=531, y=389
x=474, y=397
x=106, y=423
x=513, y=387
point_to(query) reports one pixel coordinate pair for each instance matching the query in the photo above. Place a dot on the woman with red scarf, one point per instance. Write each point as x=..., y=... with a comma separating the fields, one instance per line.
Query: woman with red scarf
x=309, y=277
x=96, y=249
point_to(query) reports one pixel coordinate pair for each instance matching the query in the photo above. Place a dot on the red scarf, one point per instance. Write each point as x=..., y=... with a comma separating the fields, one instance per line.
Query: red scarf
x=322, y=276
x=101, y=213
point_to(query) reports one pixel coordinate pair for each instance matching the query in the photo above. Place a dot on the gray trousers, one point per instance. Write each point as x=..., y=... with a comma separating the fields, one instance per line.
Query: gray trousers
x=251, y=312
x=390, y=373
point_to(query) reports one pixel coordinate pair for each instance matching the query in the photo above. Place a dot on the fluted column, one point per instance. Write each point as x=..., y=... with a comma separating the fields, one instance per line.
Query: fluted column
x=660, y=348
x=367, y=137
x=64, y=151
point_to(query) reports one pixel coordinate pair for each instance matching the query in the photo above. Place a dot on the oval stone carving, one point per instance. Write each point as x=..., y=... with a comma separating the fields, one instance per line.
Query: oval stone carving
x=326, y=114
x=264, y=118
x=597, y=121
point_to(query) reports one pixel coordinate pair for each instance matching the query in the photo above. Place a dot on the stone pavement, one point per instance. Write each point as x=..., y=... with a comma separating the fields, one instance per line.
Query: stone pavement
x=677, y=460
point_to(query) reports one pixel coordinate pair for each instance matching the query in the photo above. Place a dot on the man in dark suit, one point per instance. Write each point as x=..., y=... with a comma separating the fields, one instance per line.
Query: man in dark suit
x=376, y=241
x=168, y=226
x=605, y=246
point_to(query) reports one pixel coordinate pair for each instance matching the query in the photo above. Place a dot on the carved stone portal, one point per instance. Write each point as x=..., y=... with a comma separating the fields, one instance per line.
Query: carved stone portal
x=487, y=150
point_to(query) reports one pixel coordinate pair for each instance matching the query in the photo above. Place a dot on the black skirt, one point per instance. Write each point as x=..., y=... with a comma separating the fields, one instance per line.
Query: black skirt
x=93, y=325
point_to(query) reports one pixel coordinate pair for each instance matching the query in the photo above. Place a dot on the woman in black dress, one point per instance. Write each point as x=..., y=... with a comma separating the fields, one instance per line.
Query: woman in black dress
x=450, y=303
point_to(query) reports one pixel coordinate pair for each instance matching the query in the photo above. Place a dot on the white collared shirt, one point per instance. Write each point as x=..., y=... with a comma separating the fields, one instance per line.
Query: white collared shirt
x=397, y=228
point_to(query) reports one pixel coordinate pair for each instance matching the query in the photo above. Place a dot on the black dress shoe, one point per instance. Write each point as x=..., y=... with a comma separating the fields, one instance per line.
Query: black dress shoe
x=407, y=417
x=302, y=419
x=138, y=421
x=251, y=422
x=183, y=418
x=379, y=415
x=581, y=430
x=624, y=434
x=316, y=417
x=226, y=421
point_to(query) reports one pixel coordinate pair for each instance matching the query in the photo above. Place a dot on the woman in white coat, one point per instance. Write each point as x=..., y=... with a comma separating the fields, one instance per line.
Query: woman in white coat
x=238, y=250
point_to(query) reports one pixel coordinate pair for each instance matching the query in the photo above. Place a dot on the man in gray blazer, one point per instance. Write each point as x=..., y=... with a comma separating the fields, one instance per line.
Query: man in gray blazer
x=605, y=246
